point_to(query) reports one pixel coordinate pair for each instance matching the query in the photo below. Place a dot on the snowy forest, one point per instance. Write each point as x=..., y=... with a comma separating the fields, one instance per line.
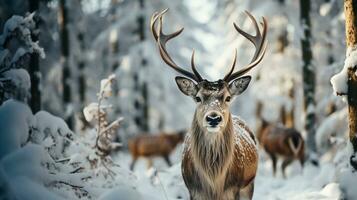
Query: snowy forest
x=95, y=105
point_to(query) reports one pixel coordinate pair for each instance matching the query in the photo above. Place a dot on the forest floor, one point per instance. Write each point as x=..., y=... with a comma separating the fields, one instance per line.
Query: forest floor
x=309, y=183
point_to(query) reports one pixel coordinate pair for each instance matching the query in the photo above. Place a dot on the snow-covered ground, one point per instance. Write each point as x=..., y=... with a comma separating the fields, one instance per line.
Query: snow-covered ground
x=55, y=164
x=309, y=183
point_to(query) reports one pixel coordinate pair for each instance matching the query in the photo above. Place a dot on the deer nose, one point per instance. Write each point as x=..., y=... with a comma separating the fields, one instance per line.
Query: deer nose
x=213, y=119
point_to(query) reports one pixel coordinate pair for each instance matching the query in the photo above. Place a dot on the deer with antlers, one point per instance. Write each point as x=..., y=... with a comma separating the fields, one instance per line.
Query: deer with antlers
x=220, y=156
x=280, y=140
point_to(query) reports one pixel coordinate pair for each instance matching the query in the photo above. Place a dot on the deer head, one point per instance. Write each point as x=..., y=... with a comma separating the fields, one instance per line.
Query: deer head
x=212, y=97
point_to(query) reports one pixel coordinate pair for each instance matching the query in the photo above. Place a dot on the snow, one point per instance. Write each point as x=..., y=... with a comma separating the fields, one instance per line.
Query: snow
x=325, y=9
x=15, y=122
x=25, y=175
x=20, y=78
x=348, y=183
x=26, y=189
x=106, y=86
x=46, y=120
x=27, y=161
x=23, y=25
x=333, y=126
x=91, y=111
x=10, y=25
x=19, y=53
x=308, y=184
x=339, y=80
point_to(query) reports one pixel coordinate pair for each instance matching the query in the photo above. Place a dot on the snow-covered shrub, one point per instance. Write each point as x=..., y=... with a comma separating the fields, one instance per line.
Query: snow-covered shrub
x=102, y=138
x=52, y=133
x=16, y=48
x=40, y=158
x=97, y=113
x=16, y=120
x=31, y=149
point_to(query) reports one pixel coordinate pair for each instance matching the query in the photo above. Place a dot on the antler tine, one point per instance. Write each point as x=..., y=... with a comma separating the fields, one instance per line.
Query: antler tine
x=161, y=40
x=259, y=42
x=194, y=67
x=233, y=65
x=249, y=67
x=152, y=25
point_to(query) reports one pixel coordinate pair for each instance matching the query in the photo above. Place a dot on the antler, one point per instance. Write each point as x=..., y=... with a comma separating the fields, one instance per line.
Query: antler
x=161, y=40
x=259, y=41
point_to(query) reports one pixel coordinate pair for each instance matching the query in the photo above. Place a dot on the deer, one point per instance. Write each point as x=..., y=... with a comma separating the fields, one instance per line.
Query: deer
x=159, y=145
x=220, y=155
x=279, y=140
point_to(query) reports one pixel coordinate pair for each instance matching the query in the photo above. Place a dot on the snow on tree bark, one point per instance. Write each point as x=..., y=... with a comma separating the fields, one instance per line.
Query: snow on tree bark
x=308, y=75
x=351, y=41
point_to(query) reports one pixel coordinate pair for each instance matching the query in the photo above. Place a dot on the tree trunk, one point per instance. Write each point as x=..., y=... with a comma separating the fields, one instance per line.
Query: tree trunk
x=81, y=66
x=66, y=70
x=82, y=85
x=34, y=68
x=351, y=41
x=308, y=76
x=142, y=103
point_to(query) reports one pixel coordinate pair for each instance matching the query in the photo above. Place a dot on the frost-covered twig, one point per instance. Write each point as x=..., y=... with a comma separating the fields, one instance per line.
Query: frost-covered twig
x=105, y=131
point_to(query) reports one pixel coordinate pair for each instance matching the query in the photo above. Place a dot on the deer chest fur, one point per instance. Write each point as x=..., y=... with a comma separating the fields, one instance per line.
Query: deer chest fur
x=216, y=168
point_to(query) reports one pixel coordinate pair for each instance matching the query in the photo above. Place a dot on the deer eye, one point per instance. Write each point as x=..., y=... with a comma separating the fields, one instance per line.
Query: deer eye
x=228, y=99
x=198, y=99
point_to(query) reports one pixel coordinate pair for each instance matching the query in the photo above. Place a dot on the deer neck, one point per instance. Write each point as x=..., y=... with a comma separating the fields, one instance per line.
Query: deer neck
x=212, y=151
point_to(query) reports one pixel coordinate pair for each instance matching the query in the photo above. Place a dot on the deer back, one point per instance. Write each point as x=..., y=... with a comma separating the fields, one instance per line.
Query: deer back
x=151, y=145
x=283, y=141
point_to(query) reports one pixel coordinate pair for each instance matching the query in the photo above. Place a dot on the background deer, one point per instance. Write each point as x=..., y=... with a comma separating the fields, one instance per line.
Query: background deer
x=149, y=146
x=280, y=140
x=220, y=157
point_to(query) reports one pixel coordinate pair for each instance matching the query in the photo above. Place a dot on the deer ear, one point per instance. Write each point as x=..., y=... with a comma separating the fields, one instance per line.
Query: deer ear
x=187, y=86
x=238, y=85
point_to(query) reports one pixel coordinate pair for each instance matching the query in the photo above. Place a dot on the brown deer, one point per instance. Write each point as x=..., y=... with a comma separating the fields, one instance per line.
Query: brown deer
x=149, y=146
x=279, y=140
x=220, y=156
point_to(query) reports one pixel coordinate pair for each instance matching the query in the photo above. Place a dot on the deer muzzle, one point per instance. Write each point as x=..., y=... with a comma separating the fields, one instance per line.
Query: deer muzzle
x=213, y=121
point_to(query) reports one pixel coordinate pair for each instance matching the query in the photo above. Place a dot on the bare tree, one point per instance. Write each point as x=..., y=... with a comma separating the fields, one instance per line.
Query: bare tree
x=308, y=74
x=65, y=52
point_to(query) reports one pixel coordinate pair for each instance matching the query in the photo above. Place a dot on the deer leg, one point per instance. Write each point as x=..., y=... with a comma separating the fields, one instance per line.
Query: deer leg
x=133, y=163
x=168, y=161
x=274, y=160
x=286, y=162
x=237, y=197
x=247, y=191
x=149, y=163
x=302, y=161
